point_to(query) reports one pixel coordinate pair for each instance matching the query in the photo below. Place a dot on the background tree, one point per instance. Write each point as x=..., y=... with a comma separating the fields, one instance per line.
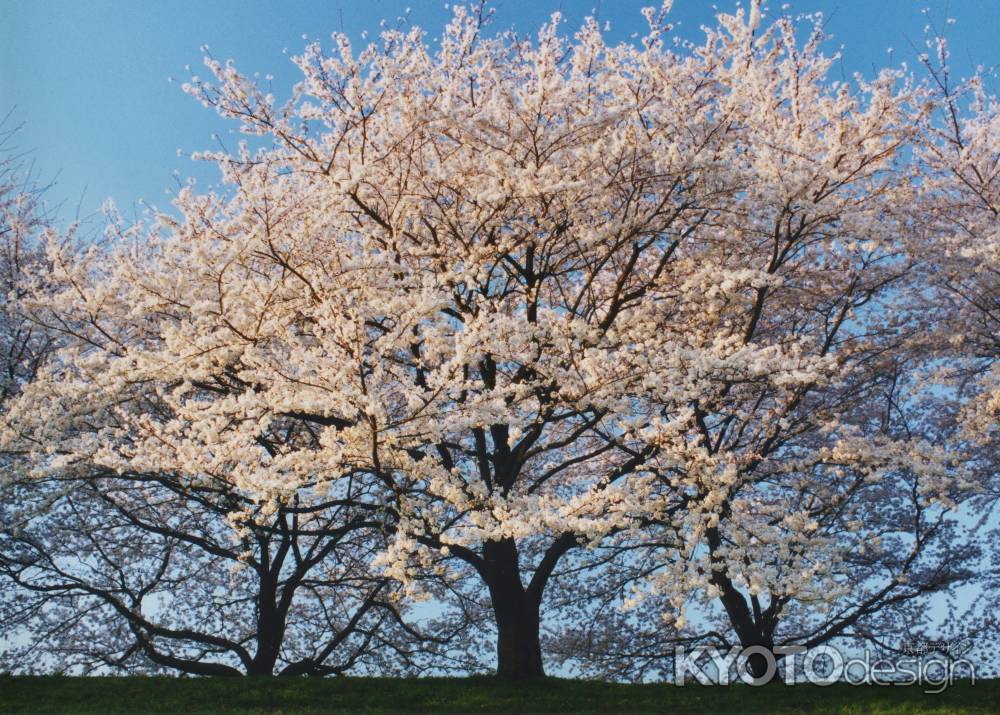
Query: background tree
x=958, y=237
x=142, y=573
x=23, y=222
x=855, y=539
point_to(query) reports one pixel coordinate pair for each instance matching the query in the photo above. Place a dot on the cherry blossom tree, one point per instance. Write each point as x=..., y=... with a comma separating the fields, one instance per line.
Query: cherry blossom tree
x=960, y=160
x=23, y=221
x=884, y=557
x=142, y=574
x=528, y=295
x=958, y=237
x=834, y=485
x=148, y=572
x=852, y=541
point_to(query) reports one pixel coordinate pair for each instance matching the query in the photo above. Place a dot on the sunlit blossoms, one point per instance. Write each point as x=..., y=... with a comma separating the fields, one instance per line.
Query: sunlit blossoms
x=501, y=308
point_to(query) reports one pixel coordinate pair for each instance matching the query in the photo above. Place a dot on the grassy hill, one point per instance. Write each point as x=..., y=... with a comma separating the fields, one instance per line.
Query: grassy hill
x=467, y=695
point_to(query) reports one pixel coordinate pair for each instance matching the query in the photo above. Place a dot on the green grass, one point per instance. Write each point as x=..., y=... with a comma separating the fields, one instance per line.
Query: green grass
x=467, y=695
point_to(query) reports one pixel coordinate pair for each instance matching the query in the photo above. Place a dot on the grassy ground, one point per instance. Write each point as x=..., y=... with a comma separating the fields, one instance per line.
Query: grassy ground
x=471, y=695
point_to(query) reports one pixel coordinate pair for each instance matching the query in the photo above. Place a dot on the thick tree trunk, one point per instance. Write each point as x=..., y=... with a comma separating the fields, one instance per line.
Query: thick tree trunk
x=266, y=657
x=270, y=631
x=516, y=609
x=519, y=650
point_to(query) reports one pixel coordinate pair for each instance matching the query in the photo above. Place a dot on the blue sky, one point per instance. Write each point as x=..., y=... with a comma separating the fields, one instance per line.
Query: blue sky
x=89, y=78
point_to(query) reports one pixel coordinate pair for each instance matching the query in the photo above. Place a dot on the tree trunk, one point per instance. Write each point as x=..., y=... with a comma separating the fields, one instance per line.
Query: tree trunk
x=757, y=664
x=519, y=650
x=266, y=656
x=270, y=630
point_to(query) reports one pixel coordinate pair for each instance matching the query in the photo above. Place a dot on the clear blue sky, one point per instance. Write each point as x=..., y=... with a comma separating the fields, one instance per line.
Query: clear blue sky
x=89, y=77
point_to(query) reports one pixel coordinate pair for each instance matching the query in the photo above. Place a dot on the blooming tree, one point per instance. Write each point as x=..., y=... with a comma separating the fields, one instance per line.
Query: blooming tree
x=153, y=569
x=880, y=547
x=143, y=573
x=898, y=497
x=149, y=571
x=829, y=489
x=528, y=296
x=23, y=221
x=959, y=161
